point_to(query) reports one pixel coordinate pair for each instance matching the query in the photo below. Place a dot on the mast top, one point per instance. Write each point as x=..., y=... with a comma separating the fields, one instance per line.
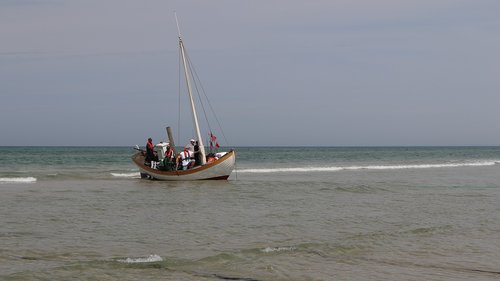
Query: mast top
x=178, y=28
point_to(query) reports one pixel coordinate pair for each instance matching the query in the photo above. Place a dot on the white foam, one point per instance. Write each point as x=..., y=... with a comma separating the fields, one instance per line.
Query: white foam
x=127, y=175
x=277, y=249
x=369, y=167
x=18, y=180
x=150, y=258
x=287, y=170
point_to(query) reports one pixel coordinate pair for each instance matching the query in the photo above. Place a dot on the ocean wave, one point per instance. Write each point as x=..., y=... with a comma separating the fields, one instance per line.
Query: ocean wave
x=127, y=175
x=369, y=167
x=150, y=258
x=277, y=249
x=18, y=180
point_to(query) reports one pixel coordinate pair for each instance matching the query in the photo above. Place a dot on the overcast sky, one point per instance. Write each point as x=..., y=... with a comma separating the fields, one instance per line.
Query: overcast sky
x=322, y=72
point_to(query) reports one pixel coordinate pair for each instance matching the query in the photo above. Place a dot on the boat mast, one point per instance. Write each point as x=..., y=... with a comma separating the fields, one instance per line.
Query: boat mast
x=188, y=84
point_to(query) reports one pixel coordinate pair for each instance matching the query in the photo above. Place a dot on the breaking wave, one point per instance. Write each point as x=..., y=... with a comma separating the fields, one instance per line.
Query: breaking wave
x=127, y=175
x=150, y=258
x=277, y=249
x=368, y=167
x=18, y=180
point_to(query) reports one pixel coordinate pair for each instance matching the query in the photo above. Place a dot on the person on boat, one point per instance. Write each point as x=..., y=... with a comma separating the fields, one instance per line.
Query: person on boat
x=169, y=153
x=191, y=145
x=167, y=163
x=185, y=158
x=150, y=151
x=197, y=154
x=211, y=158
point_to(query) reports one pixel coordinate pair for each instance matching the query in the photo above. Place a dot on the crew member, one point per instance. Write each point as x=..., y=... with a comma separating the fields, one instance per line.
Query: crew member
x=191, y=145
x=197, y=154
x=186, y=159
x=169, y=154
x=150, y=151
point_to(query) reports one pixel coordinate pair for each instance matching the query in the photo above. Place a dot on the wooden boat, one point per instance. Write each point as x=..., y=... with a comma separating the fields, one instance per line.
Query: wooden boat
x=218, y=169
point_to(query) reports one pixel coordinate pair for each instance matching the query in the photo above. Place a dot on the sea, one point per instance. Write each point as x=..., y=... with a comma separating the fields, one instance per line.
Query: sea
x=285, y=213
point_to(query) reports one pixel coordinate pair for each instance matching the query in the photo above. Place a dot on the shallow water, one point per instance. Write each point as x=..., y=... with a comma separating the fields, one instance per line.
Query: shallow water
x=287, y=214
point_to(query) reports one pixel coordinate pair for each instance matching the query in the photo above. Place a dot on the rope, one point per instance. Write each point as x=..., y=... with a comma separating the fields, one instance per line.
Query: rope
x=197, y=81
x=194, y=74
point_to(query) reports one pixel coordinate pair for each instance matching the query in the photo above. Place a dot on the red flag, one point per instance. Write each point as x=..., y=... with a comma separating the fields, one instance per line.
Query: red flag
x=213, y=140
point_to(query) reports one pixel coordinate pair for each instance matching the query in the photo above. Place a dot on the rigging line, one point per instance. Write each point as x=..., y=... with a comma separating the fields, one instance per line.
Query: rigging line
x=194, y=74
x=213, y=112
x=209, y=104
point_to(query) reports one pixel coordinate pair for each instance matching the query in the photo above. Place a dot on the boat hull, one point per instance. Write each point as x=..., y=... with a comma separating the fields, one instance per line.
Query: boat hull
x=217, y=170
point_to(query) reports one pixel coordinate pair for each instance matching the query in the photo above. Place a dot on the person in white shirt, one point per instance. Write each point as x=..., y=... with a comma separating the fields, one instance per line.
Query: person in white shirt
x=191, y=145
x=185, y=158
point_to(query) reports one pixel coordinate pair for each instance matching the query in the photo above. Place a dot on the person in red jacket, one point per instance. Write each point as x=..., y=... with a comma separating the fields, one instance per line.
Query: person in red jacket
x=169, y=154
x=150, y=151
